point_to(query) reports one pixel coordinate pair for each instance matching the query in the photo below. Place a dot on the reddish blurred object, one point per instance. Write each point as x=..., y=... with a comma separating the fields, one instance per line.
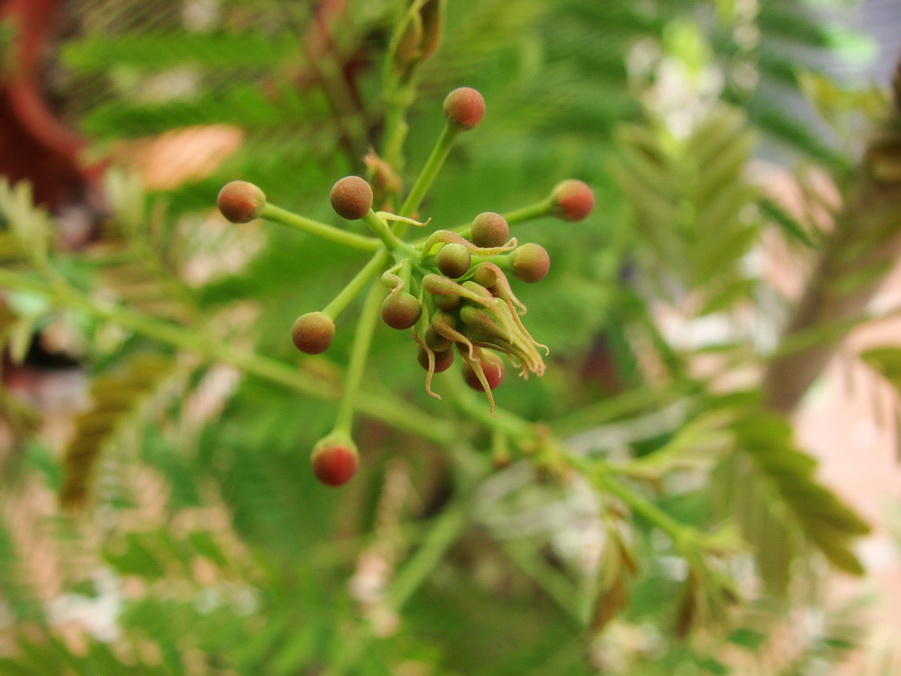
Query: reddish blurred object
x=34, y=145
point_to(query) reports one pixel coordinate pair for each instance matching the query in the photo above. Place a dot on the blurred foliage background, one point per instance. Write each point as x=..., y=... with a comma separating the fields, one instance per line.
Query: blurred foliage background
x=158, y=515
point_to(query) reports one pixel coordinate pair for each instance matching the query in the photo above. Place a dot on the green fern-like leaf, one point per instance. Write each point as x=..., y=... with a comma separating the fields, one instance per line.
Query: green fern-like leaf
x=689, y=197
x=117, y=398
x=825, y=521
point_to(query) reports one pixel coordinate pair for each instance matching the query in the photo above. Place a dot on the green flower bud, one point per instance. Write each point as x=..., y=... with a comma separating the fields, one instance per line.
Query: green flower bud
x=351, y=197
x=313, y=332
x=401, y=310
x=335, y=459
x=454, y=260
x=443, y=360
x=531, y=262
x=464, y=108
x=240, y=201
x=489, y=230
x=573, y=200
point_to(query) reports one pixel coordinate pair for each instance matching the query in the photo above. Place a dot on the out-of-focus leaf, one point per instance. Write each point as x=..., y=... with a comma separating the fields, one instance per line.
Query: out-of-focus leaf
x=116, y=399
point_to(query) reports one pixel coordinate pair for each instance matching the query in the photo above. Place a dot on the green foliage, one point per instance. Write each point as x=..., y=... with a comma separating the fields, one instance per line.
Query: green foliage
x=115, y=400
x=633, y=497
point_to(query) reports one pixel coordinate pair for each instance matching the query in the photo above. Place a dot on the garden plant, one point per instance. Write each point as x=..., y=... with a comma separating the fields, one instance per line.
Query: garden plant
x=458, y=358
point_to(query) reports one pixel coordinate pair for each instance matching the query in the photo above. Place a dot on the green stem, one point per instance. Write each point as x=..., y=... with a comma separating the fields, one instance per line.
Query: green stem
x=355, y=285
x=530, y=212
x=331, y=233
x=379, y=405
x=391, y=240
x=358, y=356
x=606, y=482
x=427, y=175
x=470, y=404
x=517, y=216
x=443, y=532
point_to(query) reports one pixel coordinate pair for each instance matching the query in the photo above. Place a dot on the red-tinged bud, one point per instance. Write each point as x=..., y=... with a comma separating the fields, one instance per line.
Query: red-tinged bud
x=453, y=260
x=401, y=310
x=240, y=201
x=489, y=230
x=335, y=459
x=492, y=367
x=313, y=332
x=573, y=200
x=464, y=108
x=531, y=262
x=436, y=341
x=351, y=198
x=443, y=360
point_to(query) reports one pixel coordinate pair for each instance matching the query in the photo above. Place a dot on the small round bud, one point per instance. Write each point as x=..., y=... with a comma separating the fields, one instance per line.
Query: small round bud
x=492, y=367
x=240, y=201
x=464, y=108
x=313, y=332
x=531, y=262
x=401, y=310
x=573, y=200
x=351, y=197
x=489, y=230
x=454, y=260
x=436, y=341
x=443, y=360
x=335, y=460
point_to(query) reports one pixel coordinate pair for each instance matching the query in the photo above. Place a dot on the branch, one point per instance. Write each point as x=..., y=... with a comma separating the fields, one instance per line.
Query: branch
x=853, y=264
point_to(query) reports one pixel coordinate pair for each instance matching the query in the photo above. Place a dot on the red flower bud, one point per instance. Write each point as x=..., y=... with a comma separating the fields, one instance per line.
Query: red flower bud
x=401, y=310
x=351, y=198
x=573, y=200
x=335, y=460
x=313, y=332
x=492, y=368
x=464, y=108
x=443, y=360
x=240, y=201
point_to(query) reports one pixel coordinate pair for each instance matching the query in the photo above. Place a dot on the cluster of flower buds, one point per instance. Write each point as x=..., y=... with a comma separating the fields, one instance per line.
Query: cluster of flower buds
x=451, y=288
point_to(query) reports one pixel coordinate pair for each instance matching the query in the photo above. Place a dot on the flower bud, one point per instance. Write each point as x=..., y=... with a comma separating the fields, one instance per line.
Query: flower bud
x=443, y=360
x=572, y=200
x=464, y=108
x=492, y=368
x=335, y=459
x=489, y=230
x=240, y=201
x=436, y=341
x=351, y=197
x=531, y=262
x=453, y=260
x=313, y=332
x=401, y=310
